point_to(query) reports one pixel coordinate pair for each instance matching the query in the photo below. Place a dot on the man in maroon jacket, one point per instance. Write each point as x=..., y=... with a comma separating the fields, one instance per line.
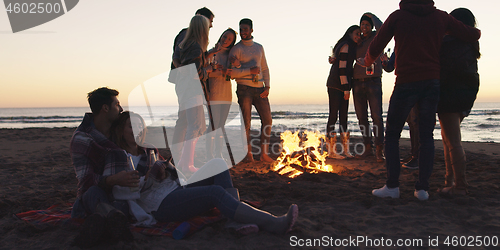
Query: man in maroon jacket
x=418, y=29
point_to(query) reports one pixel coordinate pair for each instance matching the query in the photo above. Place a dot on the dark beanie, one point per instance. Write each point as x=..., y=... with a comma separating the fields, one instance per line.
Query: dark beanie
x=366, y=18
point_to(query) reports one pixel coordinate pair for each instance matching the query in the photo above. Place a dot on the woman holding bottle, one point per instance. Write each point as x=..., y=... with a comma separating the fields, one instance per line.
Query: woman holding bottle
x=339, y=87
x=220, y=95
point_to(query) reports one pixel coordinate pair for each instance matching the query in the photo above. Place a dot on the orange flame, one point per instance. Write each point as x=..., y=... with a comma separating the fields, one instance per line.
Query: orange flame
x=302, y=151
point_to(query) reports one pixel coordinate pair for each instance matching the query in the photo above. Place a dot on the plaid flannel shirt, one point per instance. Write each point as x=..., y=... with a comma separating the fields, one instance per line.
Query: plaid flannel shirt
x=92, y=153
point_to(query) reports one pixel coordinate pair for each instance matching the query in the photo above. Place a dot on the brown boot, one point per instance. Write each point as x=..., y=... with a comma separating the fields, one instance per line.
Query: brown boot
x=331, y=145
x=367, y=152
x=344, y=137
x=379, y=154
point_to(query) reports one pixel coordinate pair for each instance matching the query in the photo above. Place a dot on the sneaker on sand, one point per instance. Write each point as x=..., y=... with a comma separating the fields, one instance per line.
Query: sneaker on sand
x=386, y=192
x=421, y=195
x=412, y=164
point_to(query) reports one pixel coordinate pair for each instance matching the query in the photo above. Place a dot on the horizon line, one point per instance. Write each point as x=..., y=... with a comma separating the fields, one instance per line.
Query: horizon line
x=278, y=104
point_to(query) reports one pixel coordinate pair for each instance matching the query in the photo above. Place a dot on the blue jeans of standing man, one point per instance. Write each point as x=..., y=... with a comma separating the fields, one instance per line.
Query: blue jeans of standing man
x=425, y=94
x=198, y=198
x=248, y=96
x=369, y=92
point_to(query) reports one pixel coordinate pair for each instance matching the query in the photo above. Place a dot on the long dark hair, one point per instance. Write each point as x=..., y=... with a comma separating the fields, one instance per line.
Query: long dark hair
x=234, y=41
x=119, y=125
x=465, y=16
x=346, y=36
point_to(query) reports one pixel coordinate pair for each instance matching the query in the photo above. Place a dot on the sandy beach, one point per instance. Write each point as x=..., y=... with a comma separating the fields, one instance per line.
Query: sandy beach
x=36, y=173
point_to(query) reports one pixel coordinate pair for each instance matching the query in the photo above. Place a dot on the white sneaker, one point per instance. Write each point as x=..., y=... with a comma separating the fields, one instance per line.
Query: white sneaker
x=421, y=195
x=386, y=192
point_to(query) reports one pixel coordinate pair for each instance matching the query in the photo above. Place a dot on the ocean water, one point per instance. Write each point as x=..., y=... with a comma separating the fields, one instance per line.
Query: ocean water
x=482, y=125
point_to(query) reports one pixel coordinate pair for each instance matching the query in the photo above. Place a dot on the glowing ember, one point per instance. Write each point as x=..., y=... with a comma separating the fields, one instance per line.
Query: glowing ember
x=302, y=151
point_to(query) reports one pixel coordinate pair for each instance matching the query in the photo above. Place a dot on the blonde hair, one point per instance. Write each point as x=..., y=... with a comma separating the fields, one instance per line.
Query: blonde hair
x=197, y=32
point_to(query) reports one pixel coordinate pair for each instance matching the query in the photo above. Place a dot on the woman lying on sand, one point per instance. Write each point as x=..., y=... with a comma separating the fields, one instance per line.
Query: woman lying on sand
x=179, y=203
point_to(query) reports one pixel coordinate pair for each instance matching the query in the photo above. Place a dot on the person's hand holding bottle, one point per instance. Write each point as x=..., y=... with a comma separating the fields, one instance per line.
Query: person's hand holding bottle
x=235, y=62
x=255, y=70
x=385, y=57
x=347, y=94
x=227, y=72
x=331, y=59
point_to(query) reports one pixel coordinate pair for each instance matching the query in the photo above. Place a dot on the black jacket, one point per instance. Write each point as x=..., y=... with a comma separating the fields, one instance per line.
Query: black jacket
x=459, y=77
x=335, y=73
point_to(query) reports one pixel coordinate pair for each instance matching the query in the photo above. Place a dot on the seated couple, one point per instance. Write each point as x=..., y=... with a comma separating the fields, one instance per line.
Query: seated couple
x=100, y=150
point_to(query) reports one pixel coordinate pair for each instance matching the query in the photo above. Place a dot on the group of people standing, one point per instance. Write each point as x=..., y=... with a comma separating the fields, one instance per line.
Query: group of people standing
x=366, y=86
x=436, y=69
x=244, y=61
x=435, y=74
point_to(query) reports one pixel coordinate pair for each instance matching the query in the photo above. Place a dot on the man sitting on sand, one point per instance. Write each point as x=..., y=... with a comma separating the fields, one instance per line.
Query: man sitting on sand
x=92, y=152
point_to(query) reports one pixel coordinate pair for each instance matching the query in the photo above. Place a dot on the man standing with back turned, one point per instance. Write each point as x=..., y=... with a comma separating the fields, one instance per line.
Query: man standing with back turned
x=418, y=29
x=252, y=77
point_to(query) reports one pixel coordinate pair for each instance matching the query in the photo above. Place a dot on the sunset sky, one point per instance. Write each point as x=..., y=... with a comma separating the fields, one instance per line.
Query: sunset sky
x=123, y=43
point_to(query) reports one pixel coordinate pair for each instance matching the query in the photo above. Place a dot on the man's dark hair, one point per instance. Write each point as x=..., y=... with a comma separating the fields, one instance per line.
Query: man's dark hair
x=247, y=21
x=205, y=12
x=366, y=18
x=99, y=97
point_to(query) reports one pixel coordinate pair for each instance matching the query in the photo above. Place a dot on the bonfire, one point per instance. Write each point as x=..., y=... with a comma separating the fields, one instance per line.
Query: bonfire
x=302, y=151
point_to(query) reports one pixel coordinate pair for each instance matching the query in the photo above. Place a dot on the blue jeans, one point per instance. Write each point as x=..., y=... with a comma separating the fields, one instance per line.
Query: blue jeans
x=248, y=96
x=87, y=204
x=338, y=107
x=198, y=198
x=412, y=121
x=369, y=93
x=424, y=94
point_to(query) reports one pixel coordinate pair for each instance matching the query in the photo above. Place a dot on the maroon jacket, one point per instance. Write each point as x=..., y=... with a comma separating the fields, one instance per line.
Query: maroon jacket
x=418, y=29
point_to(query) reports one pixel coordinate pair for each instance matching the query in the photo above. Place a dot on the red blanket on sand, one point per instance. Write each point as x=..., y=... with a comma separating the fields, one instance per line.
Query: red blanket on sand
x=61, y=214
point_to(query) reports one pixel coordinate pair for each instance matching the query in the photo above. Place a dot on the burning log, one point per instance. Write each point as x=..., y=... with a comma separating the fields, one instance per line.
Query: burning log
x=302, y=152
